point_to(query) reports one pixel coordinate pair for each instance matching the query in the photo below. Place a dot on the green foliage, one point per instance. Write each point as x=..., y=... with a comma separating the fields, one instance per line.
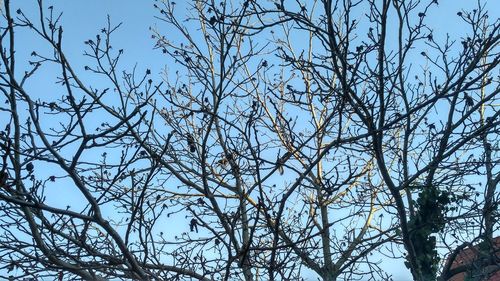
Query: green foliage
x=429, y=218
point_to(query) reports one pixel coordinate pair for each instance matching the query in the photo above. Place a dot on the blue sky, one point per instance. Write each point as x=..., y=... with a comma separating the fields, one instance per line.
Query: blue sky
x=82, y=20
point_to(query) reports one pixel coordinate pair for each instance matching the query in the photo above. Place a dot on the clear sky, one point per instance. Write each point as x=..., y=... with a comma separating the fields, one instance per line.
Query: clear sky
x=83, y=19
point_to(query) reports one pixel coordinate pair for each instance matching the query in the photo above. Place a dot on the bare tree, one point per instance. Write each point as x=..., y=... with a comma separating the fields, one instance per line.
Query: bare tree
x=422, y=132
x=285, y=139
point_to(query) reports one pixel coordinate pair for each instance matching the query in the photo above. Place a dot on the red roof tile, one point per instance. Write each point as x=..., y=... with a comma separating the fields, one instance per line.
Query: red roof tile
x=468, y=256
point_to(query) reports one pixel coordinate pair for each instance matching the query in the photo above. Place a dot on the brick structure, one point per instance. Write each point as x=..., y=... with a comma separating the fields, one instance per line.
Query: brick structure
x=468, y=256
